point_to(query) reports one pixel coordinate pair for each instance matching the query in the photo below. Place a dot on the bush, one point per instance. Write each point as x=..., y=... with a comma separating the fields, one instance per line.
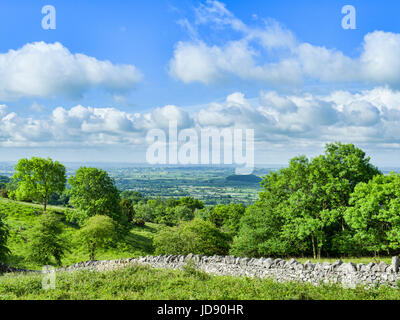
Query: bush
x=127, y=210
x=143, y=212
x=4, y=193
x=97, y=232
x=74, y=216
x=196, y=236
x=139, y=222
x=45, y=241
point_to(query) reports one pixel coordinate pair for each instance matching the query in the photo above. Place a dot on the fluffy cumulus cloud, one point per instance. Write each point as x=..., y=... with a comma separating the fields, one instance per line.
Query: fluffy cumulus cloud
x=82, y=126
x=369, y=118
x=272, y=55
x=44, y=70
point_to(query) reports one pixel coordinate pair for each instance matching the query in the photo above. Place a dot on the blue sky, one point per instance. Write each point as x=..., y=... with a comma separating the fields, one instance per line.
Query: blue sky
x=198, y=61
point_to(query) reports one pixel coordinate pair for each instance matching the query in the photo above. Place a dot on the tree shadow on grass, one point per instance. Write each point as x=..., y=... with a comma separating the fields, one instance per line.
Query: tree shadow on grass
x=136, y=242
x=16, y=261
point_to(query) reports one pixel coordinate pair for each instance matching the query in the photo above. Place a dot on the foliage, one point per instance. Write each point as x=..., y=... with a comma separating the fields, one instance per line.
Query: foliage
x=375, y=214
x=97, y=232
x=94, y=193
x=59, y=199
x=45, y=241
x=3, y=182
x=143, y=212
x=225, y=216
x=127, y=209
x=4, y=193
x=134, y=196
x=196, y=236
x=306, y=203
x=191, y=203
x=167, y=211
x=183, y=213
x=145, y=283
x=37, y=179
x=4, y=234
x=75, y=217
x=260, y=234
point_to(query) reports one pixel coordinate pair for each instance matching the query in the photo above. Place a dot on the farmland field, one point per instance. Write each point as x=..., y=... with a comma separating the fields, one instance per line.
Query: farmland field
x=209, y=184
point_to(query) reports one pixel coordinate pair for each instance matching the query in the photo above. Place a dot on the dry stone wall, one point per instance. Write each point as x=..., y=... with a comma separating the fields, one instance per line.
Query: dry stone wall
x=347, y=274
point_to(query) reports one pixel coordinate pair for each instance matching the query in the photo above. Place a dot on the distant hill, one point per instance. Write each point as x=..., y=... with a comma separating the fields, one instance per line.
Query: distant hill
x=251, y=178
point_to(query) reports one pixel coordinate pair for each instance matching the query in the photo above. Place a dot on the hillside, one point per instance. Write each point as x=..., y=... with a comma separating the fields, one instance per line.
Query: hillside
x=22, y=216
x=251, y=178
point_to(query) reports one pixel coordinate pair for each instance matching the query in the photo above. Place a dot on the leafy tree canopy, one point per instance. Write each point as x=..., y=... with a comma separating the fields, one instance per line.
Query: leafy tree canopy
x=196, y=236
x=37, y=179
x=45, y=240
x=309, y=197
x=375, y=214
x=94, y=193
x=97, y=232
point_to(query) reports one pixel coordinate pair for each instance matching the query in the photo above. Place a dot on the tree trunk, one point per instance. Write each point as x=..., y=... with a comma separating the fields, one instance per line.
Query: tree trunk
x=92, y=251
x=313, y=246
x=44, y=205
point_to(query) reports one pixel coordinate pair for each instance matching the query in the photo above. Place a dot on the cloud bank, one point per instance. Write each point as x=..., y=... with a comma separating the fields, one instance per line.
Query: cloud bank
x=370, y=117
x=45, y=70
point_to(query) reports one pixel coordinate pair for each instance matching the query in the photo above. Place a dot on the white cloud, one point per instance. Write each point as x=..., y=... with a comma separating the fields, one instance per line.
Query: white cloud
x=36, y=107
x=44, y=70
x=370, y=118
x=361, y=113
x=272, y=55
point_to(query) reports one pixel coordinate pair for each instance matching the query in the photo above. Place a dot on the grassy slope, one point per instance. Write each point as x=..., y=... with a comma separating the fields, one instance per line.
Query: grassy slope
x=21, y=217
x=138, y=282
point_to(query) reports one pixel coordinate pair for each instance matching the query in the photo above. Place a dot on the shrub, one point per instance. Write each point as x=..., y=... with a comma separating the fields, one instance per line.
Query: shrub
x=4, y=193
x=196, y=236
x=127, y=210
x=97, y=232
x=74, y=216
x=143, y=211
x=45, y=241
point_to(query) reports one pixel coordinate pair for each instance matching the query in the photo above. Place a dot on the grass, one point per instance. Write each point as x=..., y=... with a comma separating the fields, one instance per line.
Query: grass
x=20, y=217
x=144, y=283
x=138, y=282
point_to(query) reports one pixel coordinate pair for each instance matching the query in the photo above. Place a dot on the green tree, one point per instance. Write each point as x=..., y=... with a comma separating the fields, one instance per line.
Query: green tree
x=374, y=214
x=133, y=196
x=127, y=209
x=196, y=237
x=227, y=216
x=191, y=203
x=38, y=179
x=260, y=234
x=309, y=198
x=183, y=213
x=97, y=232
x=94, y=193
x=45, y=240
x=4, y=233
x=143, y=212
